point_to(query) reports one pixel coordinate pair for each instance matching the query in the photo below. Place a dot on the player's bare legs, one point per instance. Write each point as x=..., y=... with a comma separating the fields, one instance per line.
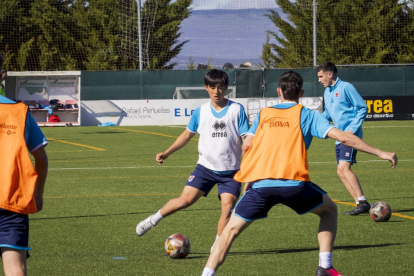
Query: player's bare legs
x=328, y=214
x=349, y=179
x=14, y=261
x=353, y=186
x=328, y=224
x=230, y=232
x=187, y=198
x=228, y=201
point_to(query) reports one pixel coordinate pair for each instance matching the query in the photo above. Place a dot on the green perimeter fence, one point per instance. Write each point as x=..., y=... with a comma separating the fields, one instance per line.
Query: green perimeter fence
x=135, y=85
x=142, y=85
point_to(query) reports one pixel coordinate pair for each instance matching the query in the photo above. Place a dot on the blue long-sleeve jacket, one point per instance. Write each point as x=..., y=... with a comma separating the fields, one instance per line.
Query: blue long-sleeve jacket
x=345, y=107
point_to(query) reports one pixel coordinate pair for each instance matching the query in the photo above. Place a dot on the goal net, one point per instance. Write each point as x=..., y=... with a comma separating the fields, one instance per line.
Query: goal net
x=97, y=35
x=182, y=93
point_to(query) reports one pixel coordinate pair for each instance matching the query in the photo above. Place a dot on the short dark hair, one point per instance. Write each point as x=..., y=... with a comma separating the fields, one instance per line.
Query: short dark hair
x=327, y=67
x=216, y=77
x=290, y=83
x=2, y=71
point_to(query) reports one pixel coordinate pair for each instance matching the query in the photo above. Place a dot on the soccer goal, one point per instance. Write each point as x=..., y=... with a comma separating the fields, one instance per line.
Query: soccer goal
x=182, y=93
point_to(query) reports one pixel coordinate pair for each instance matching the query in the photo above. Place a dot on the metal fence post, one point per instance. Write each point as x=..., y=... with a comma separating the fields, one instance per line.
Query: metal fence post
x=314, y=34
x=139, y=34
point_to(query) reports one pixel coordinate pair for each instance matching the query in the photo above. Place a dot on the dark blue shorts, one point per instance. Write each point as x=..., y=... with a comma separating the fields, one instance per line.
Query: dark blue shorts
x=256, y=202
x=14, y=230
x=204, y=179
x=345, y=153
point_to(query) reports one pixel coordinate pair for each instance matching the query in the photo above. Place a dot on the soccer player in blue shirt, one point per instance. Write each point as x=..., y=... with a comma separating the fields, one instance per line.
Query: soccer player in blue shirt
x=221, y=124
x=275, y=170
x=21, y=184
x=347, y=110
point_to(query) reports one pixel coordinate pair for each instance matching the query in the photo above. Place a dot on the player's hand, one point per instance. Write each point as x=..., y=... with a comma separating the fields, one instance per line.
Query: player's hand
x=160, y=158
x=247, y=186
x=391, y=156
x=350, y=132
x=39, y=200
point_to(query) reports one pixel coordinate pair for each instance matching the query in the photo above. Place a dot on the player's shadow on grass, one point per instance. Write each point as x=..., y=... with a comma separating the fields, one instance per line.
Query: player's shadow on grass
x=402, y=211
x=197, y=257
x=298, y=250
x=118, y=214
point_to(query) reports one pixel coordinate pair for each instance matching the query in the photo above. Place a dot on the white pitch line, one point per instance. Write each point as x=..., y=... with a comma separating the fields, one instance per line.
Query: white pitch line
x=362, y=127
x=366, y=161
x=116, y=168
x=193, y=166
x=178, y=126
x=383, y=126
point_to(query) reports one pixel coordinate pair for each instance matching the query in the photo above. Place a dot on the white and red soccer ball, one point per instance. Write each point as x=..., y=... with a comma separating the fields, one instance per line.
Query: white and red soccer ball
x=177, y=246
x=380, y=211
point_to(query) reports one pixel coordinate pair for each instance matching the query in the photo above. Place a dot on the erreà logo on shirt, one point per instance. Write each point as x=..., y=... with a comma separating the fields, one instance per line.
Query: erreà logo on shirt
x=275, y=122
x=337, y=95
x=219, y=129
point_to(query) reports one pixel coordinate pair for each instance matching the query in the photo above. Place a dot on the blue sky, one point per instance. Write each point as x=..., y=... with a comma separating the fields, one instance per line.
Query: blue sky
x=233, y=4
x=225, y=31
x=224, y=35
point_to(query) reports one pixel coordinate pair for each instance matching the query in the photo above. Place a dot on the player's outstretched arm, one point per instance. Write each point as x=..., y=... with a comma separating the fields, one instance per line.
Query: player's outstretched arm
x=41, y=167
x=180, y=142
x=355, y=142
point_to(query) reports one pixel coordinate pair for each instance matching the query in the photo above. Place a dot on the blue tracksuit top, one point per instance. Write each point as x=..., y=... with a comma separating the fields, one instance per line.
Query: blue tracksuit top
x=345, y=107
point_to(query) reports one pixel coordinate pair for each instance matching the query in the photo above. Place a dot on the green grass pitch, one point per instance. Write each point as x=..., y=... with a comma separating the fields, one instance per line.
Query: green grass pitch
x=104, y=180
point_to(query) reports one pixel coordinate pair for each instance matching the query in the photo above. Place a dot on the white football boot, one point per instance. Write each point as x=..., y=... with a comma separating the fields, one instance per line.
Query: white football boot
x=144, y=226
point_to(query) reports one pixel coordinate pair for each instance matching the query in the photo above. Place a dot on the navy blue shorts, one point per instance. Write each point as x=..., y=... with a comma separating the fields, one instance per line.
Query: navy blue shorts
x=204, y=179
x=345, y=153
x=257, y=202
x=14, y=230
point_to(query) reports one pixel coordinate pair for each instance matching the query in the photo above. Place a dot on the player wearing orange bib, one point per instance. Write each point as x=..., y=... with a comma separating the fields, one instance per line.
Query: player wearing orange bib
x=259, y=161
x=21, y=184
x=275, y=170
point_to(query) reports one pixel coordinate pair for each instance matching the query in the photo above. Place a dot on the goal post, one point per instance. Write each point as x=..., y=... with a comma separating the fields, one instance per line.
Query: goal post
x=198, y=92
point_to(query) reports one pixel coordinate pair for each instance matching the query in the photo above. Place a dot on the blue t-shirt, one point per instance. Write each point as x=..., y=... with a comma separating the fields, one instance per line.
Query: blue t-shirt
x=312, y=123
x=33, y=135
x=345, y=107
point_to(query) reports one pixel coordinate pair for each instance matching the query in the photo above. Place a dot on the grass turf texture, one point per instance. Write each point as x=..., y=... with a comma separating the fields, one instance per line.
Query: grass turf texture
x=104, y=180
